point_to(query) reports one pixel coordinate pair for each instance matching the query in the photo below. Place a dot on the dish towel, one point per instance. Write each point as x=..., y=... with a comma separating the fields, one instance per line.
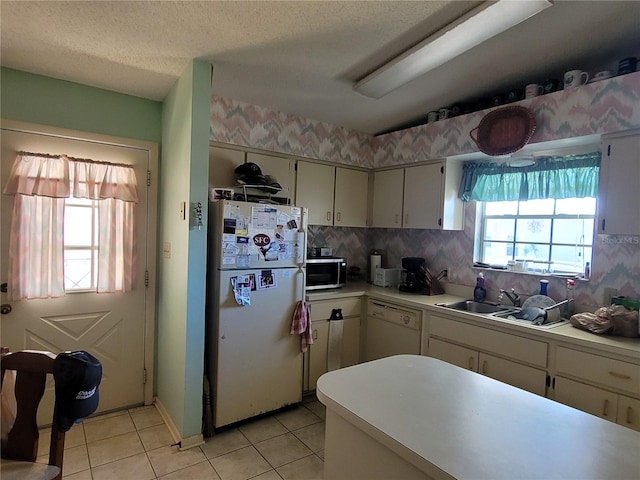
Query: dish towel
x=301, y=324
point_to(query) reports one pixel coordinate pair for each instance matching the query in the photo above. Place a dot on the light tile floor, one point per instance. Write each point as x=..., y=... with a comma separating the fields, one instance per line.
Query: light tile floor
x=136, y=444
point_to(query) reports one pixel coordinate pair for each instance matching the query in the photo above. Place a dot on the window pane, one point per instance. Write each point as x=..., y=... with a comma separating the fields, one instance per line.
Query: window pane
x=498, y=253
x=537, y=207
x=576, y=206
x=77, y=226
x=501, y=208
x=570, y=258
x=499, y=229
x=77, y=269
x=575, y=231
x=533, y=230
x=530, y=251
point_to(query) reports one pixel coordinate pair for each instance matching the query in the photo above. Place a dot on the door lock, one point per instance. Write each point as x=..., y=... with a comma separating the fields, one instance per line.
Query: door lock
x=5, y=309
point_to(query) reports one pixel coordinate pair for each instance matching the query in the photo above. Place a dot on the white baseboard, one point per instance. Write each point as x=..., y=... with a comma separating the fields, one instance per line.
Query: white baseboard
x=183, y=443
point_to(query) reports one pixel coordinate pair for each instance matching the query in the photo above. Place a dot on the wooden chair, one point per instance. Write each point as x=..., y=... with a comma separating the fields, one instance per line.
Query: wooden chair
x=19, y=456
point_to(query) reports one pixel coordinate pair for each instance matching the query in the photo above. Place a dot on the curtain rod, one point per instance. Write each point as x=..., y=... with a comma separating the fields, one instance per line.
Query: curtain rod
x=75, y=159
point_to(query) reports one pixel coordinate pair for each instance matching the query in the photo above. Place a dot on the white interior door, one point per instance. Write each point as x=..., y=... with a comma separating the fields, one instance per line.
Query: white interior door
x=117, y=328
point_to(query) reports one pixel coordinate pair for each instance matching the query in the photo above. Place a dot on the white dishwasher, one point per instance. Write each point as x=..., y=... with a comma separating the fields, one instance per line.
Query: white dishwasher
x=391, y=330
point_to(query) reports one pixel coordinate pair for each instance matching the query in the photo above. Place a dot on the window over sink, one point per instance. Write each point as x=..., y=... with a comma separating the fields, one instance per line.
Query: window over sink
x=547, y=235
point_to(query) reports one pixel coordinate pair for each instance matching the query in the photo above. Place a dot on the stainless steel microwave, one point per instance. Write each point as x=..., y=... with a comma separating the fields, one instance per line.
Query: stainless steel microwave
x=326, y=272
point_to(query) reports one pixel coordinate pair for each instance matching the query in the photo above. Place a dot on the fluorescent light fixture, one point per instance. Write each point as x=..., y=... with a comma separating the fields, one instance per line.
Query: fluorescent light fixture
x=480, y=24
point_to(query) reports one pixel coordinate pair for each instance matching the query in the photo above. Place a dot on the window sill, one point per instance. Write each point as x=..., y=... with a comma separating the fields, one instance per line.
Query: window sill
x=495, y=268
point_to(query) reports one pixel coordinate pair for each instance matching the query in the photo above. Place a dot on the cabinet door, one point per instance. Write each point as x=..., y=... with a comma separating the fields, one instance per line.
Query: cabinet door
x=422, y=206
x=350, y=342
x=314, y=190
x=388, y=188
x=318, y=352
x=351, y=198
x=629, y=412
x=280, y=167
x=222, y=163
x=595, y=401
x=454, y=354
x=516, y=374
x=619, y=195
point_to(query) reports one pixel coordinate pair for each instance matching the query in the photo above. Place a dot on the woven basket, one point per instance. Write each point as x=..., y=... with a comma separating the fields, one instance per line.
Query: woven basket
x=503, y=131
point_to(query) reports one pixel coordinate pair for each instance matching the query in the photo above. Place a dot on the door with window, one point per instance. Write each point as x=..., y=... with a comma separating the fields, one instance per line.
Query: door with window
x=115, y=327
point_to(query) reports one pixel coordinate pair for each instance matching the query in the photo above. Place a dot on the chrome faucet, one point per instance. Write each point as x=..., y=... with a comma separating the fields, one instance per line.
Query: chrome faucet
x=513, y=296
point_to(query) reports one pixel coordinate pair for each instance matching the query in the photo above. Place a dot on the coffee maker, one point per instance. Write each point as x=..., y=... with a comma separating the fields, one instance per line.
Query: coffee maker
x=413, y=275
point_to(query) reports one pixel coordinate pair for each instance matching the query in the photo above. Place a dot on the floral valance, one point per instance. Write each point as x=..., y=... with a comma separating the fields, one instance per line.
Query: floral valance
x=60, y=176
x=571, y=176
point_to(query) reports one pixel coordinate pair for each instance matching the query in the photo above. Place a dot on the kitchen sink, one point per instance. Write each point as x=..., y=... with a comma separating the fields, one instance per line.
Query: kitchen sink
x=477, y=307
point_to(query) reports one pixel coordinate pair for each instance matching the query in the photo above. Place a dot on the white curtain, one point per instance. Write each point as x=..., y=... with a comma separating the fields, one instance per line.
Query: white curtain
x=40, y=184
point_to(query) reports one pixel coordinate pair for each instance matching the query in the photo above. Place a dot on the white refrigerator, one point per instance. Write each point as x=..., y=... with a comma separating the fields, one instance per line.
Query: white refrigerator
x=255, y=276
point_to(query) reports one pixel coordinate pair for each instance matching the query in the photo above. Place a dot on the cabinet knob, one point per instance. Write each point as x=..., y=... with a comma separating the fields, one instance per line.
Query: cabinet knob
x=470, y=363
x=604, y=408
x=406, y=219
x=339, y=216
x=329, y=216
x=314, y=335
x=485, y=367
x=629, y=415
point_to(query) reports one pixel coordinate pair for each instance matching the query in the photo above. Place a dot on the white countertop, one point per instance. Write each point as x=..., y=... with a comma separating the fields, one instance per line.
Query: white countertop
x=442, y=418
x=629, y=347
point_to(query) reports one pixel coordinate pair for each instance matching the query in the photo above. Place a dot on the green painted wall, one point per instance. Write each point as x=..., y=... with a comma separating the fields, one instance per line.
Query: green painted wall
x=181, y=293
x=47, y=101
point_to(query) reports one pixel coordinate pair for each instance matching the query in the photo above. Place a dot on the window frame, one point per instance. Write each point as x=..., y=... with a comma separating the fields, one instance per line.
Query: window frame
x=93, y=248
x=481, y=240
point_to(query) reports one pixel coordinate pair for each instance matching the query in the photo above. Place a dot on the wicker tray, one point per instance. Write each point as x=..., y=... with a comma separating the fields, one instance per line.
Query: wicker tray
x=503, y=131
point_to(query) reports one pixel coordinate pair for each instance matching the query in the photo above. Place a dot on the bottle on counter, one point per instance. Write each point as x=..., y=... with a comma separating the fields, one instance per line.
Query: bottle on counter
x=587, y=271
x=568, y=307
x=543, y=287
x=480, y=292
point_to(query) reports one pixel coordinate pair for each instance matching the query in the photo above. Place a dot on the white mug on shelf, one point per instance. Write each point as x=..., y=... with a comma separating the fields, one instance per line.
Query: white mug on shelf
x=533, y=90
x=575, y=78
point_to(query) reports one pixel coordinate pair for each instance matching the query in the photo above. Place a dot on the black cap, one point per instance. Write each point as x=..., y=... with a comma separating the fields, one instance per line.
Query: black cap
x=77, y=376
x=248, y=169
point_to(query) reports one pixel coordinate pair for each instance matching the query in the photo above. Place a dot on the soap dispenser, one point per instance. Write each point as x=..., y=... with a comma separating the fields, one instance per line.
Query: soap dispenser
x=480, y=292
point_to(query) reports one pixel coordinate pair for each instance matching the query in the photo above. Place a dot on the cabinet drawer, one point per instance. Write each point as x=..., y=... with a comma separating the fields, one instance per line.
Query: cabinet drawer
x=512, y=346
x=629, y=412
x=593, y=400
x=594, y=368
x=321, y=310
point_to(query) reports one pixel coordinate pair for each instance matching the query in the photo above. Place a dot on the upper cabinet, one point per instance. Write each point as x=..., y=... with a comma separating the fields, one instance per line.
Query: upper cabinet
x=334, y=195
x=423, y=196
x=224, y=161
x=619, y=195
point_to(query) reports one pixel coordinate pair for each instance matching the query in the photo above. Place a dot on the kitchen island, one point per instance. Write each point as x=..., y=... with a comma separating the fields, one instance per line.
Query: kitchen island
x=414, y=417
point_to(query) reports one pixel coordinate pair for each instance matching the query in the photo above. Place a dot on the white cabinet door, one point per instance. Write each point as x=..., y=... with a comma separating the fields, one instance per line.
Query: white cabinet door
x=628, y=412
x=619, y=191
x=422, y=206
x=516, y=374
x=283, y=169
x=318, y=352
x=350, y=342
x=593, y=400
x=351, y=197
x=314, y=190
x=388, y=188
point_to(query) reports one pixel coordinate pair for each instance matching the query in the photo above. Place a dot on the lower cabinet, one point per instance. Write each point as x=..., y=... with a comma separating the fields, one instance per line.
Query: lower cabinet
x=594, y=379
x=513, y=373
x=330, y=348
x=495, y=354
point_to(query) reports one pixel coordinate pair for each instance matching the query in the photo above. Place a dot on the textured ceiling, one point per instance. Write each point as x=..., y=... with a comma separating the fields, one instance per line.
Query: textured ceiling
x=303, y=57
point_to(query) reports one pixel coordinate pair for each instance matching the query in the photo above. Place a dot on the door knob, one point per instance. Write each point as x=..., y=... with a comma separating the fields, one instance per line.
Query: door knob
x=5, y=309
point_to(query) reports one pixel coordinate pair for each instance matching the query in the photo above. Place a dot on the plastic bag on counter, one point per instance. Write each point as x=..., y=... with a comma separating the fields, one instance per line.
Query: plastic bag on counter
x=611, y=320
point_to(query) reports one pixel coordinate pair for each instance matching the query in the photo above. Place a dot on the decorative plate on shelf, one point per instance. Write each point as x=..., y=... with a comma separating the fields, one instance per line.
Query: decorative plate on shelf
x=505, y=130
